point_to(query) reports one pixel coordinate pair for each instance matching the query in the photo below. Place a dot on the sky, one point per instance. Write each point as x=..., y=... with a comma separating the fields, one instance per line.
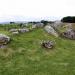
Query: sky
x=26, y=10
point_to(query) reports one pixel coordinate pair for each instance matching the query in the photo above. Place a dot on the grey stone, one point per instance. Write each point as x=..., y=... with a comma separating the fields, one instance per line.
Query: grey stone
x=23, y=30
x=39, y=25
x=48, y=44
x=58, y=24
x=70, y=33
x=13, y=30
x=50, y=30
x=4, y=39
x=34, y=26
x=15, y=33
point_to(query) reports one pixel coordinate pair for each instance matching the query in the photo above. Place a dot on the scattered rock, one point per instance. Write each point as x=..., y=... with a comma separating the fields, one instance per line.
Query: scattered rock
x=50, y=30
x=70, y=33
x=15, y=33
x=34, y=26
x=13, y=30
x=48, y=44
x=39, y=25
x=23, y=30
x=4, y=39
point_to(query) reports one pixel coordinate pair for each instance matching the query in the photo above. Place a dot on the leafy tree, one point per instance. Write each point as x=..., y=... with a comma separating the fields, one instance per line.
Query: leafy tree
x=44, y=22
x=68, y=19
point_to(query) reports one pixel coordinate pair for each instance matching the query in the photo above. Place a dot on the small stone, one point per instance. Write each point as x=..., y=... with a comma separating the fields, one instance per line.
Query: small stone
x=48, y=44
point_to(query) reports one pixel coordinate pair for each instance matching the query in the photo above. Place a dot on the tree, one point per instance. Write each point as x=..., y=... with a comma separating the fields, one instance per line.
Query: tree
x=12, y=22
x=68, y=19
x=21, y=25
x=44, y=22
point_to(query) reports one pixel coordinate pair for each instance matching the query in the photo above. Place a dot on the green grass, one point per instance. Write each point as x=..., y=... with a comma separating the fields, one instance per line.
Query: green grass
x=25, y=56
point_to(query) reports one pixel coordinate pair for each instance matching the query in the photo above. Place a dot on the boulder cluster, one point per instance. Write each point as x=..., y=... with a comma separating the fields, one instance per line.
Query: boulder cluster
x=17, y=31
x=51, y=29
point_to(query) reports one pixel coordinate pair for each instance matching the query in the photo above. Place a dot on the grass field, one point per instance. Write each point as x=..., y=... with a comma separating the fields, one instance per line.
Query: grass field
x=25, y=56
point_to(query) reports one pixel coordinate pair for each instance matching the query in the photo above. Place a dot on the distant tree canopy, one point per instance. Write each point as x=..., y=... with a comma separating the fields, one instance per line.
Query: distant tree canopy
x=21, y=24
x=46, y=22
x=33, y=22
x=12, y=22
x=68, y=19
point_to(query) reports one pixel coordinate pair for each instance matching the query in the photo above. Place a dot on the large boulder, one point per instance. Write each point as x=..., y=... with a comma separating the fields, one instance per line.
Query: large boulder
x=4, y=39
x=56, y=24
x=48, y=44
x=70, y=33
x=50, y=30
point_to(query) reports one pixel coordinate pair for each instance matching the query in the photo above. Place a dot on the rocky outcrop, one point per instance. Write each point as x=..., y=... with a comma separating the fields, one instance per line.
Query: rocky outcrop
x=50, y=30
x=4, y=39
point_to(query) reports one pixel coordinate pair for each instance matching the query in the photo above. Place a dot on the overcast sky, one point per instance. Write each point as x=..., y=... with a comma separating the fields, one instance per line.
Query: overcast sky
x=14, y=10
